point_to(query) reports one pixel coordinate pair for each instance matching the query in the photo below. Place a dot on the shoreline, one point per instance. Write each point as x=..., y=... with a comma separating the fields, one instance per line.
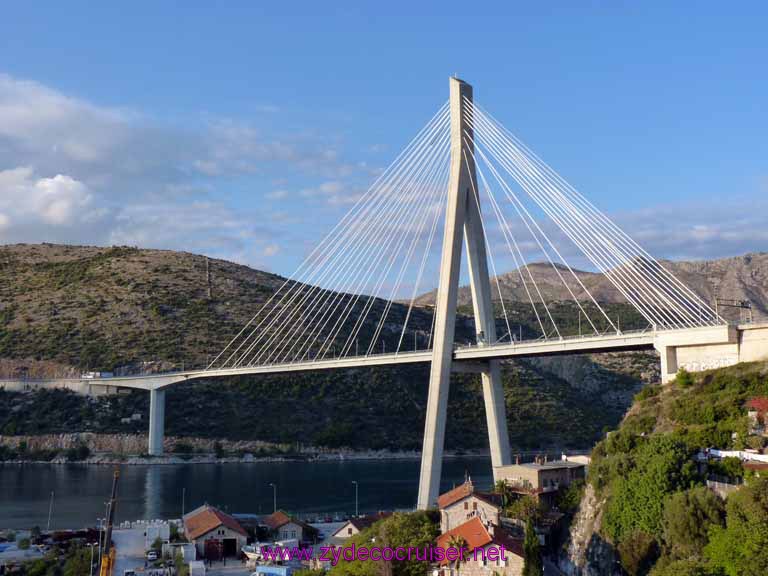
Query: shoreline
x=174, y=459
x=207, y=459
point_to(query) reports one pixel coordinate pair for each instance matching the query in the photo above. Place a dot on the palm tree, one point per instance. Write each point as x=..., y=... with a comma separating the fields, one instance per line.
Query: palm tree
x=502, y=488
x=456, y=541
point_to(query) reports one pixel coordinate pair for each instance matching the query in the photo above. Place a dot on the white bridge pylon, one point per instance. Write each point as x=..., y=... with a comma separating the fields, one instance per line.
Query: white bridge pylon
x=463, y=223
x=354, y=300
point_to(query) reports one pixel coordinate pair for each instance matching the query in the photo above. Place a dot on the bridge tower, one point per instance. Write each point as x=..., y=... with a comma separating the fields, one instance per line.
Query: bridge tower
x=463, y=224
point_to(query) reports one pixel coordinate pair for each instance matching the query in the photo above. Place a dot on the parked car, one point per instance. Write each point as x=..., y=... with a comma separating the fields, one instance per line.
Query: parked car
x=152, y=555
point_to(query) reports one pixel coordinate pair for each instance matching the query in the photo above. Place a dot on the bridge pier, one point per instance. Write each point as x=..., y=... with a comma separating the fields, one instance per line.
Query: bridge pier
x=462, y=222
x=156, y=422
x=668, y=356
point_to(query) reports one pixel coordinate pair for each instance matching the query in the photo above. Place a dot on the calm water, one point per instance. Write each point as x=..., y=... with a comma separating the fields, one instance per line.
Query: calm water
x=156, y=491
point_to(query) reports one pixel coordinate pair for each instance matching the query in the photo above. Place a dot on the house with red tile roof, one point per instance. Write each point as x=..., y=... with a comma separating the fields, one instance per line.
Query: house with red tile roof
x=465, y=502
x=757, y=411
x=215, y=534
x=354, y=526
x=488, y=550
x=284, y=527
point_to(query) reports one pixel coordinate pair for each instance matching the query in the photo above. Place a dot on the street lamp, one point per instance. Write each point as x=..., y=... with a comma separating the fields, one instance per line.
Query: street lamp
x=357, y=511
x=101, y=522
x=274, y=496
x=92, y=545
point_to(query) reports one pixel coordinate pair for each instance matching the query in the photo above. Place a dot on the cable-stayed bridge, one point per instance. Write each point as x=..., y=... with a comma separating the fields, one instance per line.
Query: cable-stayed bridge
x=356, y=300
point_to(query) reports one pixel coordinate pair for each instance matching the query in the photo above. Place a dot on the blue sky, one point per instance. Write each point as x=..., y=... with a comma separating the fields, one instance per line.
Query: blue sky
x=244, y=129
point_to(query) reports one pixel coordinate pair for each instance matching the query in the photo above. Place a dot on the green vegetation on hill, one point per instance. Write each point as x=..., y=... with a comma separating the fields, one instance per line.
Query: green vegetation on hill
x=659, y=515
x=363, y=409
x=65, y=309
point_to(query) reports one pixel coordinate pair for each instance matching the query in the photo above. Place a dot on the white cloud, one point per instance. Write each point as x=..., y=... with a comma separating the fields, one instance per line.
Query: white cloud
x=278, y=194
x=57, y=201
x=73, y=171
x=270, y=250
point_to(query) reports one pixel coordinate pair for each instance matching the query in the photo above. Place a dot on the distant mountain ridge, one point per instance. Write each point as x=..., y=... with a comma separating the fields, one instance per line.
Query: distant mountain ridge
x=738, y=278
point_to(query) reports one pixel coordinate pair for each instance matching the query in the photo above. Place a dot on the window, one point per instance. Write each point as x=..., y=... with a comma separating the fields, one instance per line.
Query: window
x=349, y=531
x=474, y=505
x=466, y=505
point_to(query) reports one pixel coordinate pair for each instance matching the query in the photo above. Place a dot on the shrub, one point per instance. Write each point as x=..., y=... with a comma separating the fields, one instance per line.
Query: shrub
x=638, y=551
x=741, y=547
x=684, y=378
x=77, y=453
x=183, y=448
x=688, y=518
x=23, y=544
x=649, y=391
x=689, y=567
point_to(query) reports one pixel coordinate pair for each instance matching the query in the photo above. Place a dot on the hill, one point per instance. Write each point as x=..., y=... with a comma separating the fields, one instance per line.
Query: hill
x=64, y=309
x=741, y=277
x=647, y=505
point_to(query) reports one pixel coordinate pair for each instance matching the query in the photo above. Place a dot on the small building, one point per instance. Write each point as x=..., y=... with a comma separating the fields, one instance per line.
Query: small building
x=284, y=527
x=354, y=526
x=216, y=535
x=541, y=478
x=485, y=557
x=757, y=409
x=464, y=503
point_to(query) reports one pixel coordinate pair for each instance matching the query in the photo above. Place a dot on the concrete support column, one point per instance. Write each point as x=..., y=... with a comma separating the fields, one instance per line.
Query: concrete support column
x=156, y=422
x=669, y=366
x=445, y=306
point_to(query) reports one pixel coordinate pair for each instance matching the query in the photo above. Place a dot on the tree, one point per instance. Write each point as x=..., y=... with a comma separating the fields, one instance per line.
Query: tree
x=218, y=449
x=182, y=569
x=533, y=565
x=662, y=465
x=416, y=529
x=688, y=518
x=689, y=567
x=502, y=488
x=741, y=547
x=524, y=508
x=638, y=551
x=458, y=543
x=23, y=544
x=78, y=562
x=35, y=534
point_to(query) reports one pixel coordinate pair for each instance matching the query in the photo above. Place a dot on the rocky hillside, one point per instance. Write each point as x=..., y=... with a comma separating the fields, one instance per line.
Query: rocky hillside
x=741, y=277
x=88, y=308
x=64, y=309
x=647, y=508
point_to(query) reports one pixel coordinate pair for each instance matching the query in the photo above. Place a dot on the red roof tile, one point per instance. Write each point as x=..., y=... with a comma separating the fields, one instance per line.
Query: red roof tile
x=276, y=519
x=280, y=518
x=759, y=403
x=453, y=496
x=207, y=518
x=472, y=532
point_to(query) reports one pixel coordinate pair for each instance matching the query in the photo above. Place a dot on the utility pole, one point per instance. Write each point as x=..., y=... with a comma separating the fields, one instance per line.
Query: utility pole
x=50, y=513
x=357, y=509
x=274, y=496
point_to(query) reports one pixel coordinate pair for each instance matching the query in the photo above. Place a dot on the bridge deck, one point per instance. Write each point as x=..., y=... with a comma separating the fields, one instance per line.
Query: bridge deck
x=467, y=354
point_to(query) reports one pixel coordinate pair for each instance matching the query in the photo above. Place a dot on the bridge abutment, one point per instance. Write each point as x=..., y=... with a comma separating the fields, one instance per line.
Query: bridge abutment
x=156, y=422
x=699, y=349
